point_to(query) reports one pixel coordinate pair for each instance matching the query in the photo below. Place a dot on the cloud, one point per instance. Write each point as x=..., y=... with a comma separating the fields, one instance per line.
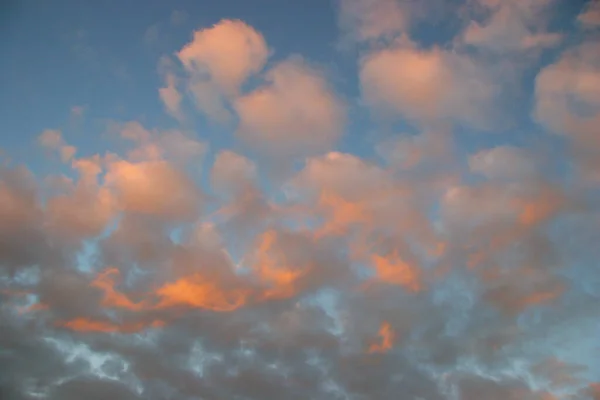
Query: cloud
x=232, y=172
x=428, y=86
x=503, y=162
x=512, y=26
x=153, y=187
x=219, y=60
x=229, y=52
x=295, y=112
x=432, y=261
x=386, y=336
x=178, y=17
x=590, y=17
x=474, y=387
x=52, y=139
x=171, y=97
x=364, y=20
x=177, y=146
x=24, y=241
x=409, y=152
x=83, y=210
x=567, y=102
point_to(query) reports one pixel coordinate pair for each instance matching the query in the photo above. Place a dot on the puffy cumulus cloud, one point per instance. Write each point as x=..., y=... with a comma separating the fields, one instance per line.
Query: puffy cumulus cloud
x=219, y=60
x=434, y=268
x=567, y=102
x=428, y=86
x=295, y=112
x=229, y=52
x=406, y=152
x=511, y=26
x=342, y=173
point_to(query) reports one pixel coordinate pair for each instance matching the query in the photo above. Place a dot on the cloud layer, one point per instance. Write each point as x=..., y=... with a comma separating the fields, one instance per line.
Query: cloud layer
x=425, y=268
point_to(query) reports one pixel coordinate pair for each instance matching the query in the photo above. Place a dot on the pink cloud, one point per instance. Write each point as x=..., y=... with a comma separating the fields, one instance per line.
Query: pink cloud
x=53, y=140
x=295, y=112
x=219, y=60
x=427, y=86
x=503, y=162
x=364, y=20
x=177, y=146
x=590, y=17
x=229, y=52
x=567, y=97
x=513, y=25
x=232, y=172
x=171, y=97
x=154, y=188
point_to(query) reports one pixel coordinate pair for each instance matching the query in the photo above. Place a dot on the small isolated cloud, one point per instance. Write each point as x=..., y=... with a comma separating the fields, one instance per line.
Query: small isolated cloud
x=78, y=111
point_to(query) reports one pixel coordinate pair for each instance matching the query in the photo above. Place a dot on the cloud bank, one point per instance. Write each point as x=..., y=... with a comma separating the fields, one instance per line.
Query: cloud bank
x=430, y=270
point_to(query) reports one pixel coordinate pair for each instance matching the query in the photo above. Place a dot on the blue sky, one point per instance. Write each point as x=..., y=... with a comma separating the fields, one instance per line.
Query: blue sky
x=371, y=197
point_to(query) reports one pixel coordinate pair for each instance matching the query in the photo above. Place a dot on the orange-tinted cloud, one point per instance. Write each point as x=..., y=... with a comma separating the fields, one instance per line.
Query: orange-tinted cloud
x=105, y=281
x=198, y=291
x=341, y=214
x=90, y=325
x=513, y=291
x=295, y=112
x=385, y=341
x=273, y=269
x=395, y=271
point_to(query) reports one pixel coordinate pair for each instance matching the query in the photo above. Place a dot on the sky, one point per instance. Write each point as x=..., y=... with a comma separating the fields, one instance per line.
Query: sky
x=345, y=199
